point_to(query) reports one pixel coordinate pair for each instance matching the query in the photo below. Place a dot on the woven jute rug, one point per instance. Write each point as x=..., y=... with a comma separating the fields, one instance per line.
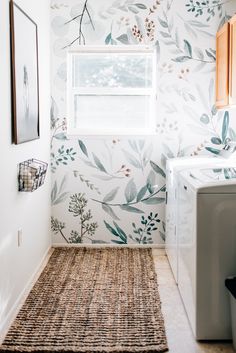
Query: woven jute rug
x=92, y=300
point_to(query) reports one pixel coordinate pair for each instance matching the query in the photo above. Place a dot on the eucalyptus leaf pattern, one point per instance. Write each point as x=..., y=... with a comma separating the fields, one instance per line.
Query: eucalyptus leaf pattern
x=119, y=181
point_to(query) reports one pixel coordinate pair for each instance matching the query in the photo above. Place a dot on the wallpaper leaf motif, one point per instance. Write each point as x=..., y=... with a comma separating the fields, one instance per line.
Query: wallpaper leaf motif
x=110, y=211
x=85, y=180
x=141, y=193
x=129, y=208
x=158, y=169
x=209, y=8
x=128, y=174
x=154, y=200
x=143, y=233
x=83, y=147
x=59, y=195
x=117, y=232
x=130, y=191
x=132, y=160
x=186, y=50
x=142, y=157
x=62, y=157
x=86, y=228
x=225, y=127
x=131, y=194
x=97, y=164
x=111, y=195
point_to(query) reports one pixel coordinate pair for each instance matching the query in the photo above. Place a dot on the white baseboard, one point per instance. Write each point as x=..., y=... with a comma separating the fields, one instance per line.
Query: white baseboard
x=23, y=295
x=98, y=246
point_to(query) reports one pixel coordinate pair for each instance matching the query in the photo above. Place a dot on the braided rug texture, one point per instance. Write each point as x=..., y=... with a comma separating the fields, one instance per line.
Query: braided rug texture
x=92, y=300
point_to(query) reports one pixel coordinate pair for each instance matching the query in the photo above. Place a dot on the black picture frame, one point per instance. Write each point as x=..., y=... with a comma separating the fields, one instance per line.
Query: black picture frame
x=25, y=75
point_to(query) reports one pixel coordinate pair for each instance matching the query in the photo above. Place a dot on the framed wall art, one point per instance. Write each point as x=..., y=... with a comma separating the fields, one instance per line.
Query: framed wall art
x=25, y=80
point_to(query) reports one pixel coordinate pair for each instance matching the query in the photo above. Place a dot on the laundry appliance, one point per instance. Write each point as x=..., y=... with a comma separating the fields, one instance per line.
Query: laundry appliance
x=206, y=225
x=173, y=167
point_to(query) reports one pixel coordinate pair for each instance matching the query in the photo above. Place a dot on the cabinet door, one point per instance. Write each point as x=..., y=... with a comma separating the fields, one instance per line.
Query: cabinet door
x=222, y=66
x=232, y=61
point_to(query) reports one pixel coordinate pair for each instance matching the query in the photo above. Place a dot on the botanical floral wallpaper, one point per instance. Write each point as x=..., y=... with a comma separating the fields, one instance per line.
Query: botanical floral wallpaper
x=112, y=190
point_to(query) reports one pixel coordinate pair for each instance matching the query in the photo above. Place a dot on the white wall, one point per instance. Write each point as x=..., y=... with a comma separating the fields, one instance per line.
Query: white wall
x=31, y=212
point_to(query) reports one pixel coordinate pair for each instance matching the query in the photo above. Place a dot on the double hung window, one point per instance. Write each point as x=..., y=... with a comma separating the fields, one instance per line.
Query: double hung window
x=111, y=90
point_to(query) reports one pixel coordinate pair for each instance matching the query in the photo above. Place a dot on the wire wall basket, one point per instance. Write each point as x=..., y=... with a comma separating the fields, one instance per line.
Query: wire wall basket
x=31, y=174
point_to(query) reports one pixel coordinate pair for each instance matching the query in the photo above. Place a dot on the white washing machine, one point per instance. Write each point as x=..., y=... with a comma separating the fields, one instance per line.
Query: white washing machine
x=207, y=248
x=173, y=167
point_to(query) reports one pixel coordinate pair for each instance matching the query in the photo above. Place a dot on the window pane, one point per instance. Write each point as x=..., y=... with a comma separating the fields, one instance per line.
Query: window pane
x=112, y=70
x=111, y=112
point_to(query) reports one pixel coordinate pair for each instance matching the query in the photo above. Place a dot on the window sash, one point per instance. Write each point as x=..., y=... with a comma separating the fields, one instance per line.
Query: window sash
x=147, y=129
x=112, y=91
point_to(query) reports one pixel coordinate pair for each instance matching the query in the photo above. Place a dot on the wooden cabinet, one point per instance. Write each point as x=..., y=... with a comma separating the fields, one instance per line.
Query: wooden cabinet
x=232, y=61
x=222, y=66
x=226, y=65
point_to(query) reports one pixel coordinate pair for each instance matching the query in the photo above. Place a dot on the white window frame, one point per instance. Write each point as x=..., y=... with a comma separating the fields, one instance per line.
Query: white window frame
x=72, y=92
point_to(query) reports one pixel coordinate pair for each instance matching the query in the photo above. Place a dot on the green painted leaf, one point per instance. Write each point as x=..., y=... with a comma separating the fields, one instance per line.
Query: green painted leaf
x=163, y=236
x=147, y=155
x=158, y=169
x=163, y=225
x=112, y=230
x=110, y=211
x=205, y=119
x=151, y=181
x=63, y=183
x=54, y=192
x=225, y=126
x=226, y=173
x=83, y=148
x=181, y=59
x=164, y=34
x=122, y=234
x=132, y=159
x=111, y=195
x=141, y=193
x=188, y=48
x=141, y=6
x=123, y=39
x=163, y=23
x=108, y=39
x=60, y=136
x=154, y=200
x=210, y=55
x=216, y=140
x=61, y=198
x=130, y=191
x=130, y=209
x=88, y=163
x=98, y=163
x=213, y=150
x=133, y=9
x=214, y=110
